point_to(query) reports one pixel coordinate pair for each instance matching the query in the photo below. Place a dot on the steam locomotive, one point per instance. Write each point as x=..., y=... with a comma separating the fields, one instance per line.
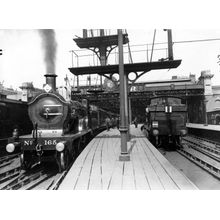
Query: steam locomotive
x=166, y=120
x=59, y=127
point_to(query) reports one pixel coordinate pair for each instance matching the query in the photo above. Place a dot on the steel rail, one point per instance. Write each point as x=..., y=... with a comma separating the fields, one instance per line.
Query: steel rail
x=213, y=143
x=203, y=164
x=8, y=157
x=23, y=180
x=9, y=174
x=204, y=158
x=202, y=147
x=31, y=185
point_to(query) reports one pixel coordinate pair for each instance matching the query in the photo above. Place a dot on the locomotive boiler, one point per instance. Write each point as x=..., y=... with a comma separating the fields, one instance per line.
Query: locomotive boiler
x=59, y=126
x=166, y=120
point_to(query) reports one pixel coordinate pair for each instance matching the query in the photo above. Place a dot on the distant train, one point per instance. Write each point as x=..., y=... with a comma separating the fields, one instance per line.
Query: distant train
x=13, y=114
x=166, y=121
x=59, y=127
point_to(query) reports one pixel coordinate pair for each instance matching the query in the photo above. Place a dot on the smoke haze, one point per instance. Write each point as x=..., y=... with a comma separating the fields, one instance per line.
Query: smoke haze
x=49, y=46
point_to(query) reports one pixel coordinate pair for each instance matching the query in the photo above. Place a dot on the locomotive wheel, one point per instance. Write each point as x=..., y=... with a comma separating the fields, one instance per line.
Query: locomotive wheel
x=63, y=161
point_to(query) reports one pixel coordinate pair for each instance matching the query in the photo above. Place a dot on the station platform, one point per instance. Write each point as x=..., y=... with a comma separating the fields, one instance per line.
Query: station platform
x=209, y=132
x=98, y=166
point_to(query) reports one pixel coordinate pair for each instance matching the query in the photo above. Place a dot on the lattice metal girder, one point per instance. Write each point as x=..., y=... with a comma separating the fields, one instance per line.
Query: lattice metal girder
x=140, y=95
x=177, y=93
x=108, y=40
x=170, y=87
x=129, y=67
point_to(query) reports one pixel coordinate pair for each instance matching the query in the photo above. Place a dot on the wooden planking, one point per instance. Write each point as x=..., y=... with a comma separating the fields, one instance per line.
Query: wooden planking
x=114, y=168
x=80, y=160
x=115, y=182
x=165, y=179
x=179, y=178
x=83, y=180
x=95, y=178
x=149, y=172
x=141, y=181
x=108, y=161
x=72, y=177
x=128, y=180
x=98, y=167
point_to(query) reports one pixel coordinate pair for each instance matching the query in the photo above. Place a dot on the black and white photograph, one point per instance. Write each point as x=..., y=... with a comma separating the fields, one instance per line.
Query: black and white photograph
x=115, y=113
x=102, y=109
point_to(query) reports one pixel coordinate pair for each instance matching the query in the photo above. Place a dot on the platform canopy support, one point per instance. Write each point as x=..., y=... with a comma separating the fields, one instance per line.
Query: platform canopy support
x=124, y=156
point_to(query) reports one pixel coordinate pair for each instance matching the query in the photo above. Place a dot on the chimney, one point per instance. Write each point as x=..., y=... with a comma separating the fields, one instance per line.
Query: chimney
x=51, y=80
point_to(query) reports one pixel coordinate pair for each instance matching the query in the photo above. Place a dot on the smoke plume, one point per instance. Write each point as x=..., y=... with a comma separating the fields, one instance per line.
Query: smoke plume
x=49, y=46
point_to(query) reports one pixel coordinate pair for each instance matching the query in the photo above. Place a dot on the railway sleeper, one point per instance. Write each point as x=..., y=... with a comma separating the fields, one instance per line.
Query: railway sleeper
x=200, y=144
x=206, y=152
x=208, y=167
x=23, y=180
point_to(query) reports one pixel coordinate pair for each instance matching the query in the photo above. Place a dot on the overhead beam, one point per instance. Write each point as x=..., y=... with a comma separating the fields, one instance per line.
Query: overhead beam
x=129, y=67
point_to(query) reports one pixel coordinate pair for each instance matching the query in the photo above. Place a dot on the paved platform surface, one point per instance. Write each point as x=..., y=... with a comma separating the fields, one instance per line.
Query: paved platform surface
x=204, y=127
x=98, y=166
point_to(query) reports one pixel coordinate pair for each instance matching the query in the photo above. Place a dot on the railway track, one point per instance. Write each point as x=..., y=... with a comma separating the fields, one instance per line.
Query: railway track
x=206, y=141
x=9, y=174
x=54, y=182
x=24, y=180
x=37, y=178
x=6, y=160
x=203, y=153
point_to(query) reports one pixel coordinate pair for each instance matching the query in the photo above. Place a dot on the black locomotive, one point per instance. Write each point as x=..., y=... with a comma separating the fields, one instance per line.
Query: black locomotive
x=166, y=121
x=59, y=127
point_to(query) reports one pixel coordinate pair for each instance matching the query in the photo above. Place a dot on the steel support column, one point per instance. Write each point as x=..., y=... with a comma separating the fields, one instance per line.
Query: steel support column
x=205, y=111
x=124, y=156
x=170, y=44
x=85, y=33
x=130, y=112
x=103, y=60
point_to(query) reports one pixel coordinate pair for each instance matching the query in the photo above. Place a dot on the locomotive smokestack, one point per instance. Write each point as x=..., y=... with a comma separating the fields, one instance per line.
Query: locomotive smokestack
x=51, y=80
x=49, y=46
